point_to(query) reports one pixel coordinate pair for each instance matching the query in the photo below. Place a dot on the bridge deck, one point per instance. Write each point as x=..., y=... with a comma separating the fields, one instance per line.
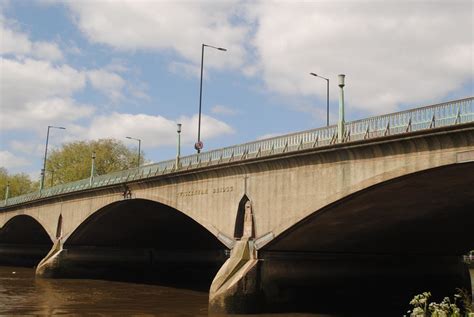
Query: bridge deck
x=399, y=123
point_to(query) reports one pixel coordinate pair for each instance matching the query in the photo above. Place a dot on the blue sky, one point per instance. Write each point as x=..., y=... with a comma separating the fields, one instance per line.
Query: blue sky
x=108, y=69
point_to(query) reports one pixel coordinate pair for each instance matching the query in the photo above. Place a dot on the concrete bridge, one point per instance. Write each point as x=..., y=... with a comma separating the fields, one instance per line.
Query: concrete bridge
x=272, y=222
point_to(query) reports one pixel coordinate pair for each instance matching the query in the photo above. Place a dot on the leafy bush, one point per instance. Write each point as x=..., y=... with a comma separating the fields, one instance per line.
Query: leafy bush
x=459, y=307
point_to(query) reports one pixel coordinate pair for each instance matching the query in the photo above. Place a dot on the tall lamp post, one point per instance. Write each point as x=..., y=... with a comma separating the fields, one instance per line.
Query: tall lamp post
x=139, y=148
x=341, y=122
x=327, y=96
x=199, y=145
x=46, y=154
x=178, y=145
x=91, y=179
x=7, y=193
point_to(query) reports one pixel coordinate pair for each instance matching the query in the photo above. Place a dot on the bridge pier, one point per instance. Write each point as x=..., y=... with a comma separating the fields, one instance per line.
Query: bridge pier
x=298, y=282
x=50, y=265
x=236, y=289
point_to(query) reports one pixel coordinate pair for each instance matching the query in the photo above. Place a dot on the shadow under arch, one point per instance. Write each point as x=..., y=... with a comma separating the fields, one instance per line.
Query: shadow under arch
x=394, y=239
x=23, y=241
x=143, y=240
x=430, y=212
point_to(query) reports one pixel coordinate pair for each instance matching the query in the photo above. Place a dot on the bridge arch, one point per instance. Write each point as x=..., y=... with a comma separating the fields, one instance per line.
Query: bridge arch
x=142, y=240
x=392, y=239
x=148, y=222
x=24, y=229
x=23, y=241
x=425, y=212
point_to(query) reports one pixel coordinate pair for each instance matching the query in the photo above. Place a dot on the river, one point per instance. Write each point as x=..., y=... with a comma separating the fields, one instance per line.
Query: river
x=22, y=294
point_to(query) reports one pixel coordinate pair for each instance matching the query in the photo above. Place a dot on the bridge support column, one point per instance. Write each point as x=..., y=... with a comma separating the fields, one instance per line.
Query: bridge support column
x=236, y=288
x=50, y=266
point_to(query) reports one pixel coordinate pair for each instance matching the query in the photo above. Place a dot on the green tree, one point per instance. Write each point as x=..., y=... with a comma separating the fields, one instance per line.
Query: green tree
x=19, y=184
x=72, y=161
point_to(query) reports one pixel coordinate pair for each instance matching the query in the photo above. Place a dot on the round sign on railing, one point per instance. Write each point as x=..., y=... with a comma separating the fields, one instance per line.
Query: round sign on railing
x=199, y=145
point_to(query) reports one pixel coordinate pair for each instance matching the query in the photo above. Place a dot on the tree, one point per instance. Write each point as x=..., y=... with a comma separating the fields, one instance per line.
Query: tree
x=19, y=184
x=72, y=161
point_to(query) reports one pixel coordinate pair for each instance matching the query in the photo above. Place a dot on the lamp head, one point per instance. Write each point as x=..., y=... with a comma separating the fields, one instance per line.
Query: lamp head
x=341, y=78
x=179, y=127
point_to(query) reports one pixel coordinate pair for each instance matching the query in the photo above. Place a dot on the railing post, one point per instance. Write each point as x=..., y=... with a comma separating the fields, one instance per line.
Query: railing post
x=340, y=123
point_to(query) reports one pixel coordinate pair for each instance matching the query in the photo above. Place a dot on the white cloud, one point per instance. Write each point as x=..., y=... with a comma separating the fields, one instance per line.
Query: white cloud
x=13, y=42
x=31, y=80
x=109, y=83
x=155, y=131
x=269, y=136
x=54, y=111
x=45, y=50
x=17, y=43
x=224, y=110
x=181, y=26
x=186, y=69
x=392, y=52
x=35, y=94
x=9, y=160
x=29, y=147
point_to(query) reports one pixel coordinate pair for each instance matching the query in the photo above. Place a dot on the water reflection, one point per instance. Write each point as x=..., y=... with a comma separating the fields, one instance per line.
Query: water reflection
x=22, y=294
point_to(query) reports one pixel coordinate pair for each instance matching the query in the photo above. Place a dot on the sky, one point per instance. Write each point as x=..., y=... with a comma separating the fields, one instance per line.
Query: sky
x=111, y=69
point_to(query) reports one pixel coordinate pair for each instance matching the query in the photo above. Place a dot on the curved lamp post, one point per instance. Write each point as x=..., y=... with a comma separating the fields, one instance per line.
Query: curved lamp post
x=139, y=148
x=199, y=145
x=46, y=154
x=327, y=96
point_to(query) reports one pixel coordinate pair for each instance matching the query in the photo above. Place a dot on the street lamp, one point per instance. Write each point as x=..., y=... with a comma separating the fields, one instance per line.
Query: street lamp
x=139, y=147
x=91, y=179
x=178, y=150
x=340, y=123
x=7, y=193
x=46, y=154
x=327, y=96
x=199, y=145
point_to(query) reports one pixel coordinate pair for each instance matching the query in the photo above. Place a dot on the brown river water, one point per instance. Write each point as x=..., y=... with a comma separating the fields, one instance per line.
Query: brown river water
x=22, y=294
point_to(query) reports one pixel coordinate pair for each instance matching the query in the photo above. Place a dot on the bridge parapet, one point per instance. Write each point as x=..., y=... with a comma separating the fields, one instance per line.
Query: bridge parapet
x=424, y=118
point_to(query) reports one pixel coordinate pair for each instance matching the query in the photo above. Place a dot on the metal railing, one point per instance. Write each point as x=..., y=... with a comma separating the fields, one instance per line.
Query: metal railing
x=433, y=116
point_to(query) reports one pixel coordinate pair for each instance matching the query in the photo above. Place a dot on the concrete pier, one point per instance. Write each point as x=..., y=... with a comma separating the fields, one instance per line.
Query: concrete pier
x=321, y=283
x=236, y=287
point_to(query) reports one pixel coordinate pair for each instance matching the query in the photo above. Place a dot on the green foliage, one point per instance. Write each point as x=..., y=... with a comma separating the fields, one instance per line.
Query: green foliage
x=72, y=161
x=19, y=184
x=447, y=308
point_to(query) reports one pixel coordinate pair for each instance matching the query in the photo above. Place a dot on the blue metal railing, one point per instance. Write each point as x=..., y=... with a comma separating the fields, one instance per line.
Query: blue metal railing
x=433, y=116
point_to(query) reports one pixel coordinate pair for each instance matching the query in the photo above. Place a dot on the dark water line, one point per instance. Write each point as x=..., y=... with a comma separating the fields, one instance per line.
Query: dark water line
x=23, y=294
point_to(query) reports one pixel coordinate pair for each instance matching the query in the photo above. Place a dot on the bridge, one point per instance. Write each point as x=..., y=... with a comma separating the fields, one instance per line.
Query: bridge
x=272, y=222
